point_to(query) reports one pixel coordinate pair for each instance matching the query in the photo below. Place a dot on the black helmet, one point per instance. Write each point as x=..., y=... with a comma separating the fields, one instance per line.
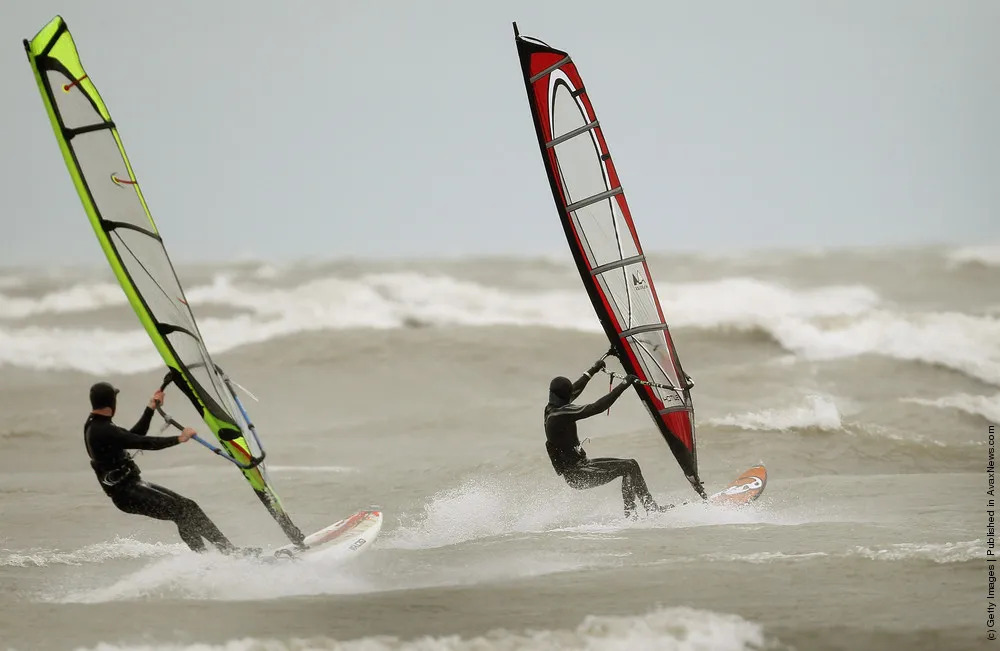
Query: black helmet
x=560, y=390
x=103, y=395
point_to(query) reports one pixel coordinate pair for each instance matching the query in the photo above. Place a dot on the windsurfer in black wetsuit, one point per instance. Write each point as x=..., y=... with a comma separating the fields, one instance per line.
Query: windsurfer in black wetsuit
x=119, y=475
x=567, y=455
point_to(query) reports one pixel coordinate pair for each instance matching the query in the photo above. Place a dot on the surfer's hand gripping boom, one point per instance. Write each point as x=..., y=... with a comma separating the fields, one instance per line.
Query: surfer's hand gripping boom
x=188, y=433
x=157, y=399
x=157, y=403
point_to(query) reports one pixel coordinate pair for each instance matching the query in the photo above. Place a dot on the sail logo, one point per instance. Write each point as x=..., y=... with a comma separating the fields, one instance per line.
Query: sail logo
x=638, y=281
x=671, y=399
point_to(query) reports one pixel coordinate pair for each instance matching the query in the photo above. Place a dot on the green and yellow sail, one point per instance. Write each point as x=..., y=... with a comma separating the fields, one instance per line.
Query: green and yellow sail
x=112, y=199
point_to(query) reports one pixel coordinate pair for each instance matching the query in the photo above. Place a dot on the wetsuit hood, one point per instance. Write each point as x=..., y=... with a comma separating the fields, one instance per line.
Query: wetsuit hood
x=103, y=395
x=560, y=391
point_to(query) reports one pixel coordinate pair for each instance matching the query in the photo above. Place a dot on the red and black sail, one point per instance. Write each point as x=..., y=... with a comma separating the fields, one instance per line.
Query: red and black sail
x=595, y=216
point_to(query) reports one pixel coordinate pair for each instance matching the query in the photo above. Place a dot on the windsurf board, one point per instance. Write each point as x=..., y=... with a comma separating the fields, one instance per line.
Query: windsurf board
x=345, y=538
x=742, y=490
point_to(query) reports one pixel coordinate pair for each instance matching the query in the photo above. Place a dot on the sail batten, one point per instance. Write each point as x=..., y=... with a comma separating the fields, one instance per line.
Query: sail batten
x=579, y=131
x=124, y=227
x=593, y=210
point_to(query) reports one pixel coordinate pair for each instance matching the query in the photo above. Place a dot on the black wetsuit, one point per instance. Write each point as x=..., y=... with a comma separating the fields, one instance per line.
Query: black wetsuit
x=569, y=459
x=119, y=476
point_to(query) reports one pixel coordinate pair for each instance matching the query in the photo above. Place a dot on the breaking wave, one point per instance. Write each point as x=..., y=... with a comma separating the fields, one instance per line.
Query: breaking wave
x=665, y=629
x=987, y=407
x=824, y=323
x=819, y=412
x=119, y=548
x=986, y=255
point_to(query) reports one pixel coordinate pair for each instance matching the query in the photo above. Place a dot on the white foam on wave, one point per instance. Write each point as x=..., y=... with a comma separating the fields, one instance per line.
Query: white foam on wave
x=819, y=324
x=986, y=406
x=493, y=506
x=690, y=514
x=840, y=322
x=940, y=553
x=756, y=559
x=962, y=342
x=175, y=572
x=819, y=412
x=77, y=298
x=218, y=577
x=957, y=552
x=748, y=303
x=381, y=301
x=95, y=350
x=663, y=629
x=119, y=548
x=987, y=255
x=213, y=576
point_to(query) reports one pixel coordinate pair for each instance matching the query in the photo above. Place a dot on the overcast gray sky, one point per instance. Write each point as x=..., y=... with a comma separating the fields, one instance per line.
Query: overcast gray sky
x=332, y=128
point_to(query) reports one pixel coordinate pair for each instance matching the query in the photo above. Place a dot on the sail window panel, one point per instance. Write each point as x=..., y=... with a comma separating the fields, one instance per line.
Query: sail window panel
x=146, y=263
x=582, y=174
x=567, y=114
x=600, y=226
x=74, y=106
x=190, y=352
x=106, y=175
x=650, y=347
x=631, y=299
x=629, y=246
x=654, y=356
x=603, y=226
x=144, y=258
x=627, y=290
x=142, y=254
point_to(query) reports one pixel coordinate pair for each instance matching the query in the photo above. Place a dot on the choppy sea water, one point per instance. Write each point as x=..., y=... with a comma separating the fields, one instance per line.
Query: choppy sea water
x=865, y=381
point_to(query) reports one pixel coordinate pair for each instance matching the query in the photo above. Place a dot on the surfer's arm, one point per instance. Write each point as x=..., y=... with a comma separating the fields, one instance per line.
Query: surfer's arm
x=581, y=383
x=132, y=441
x=142, y=426
x=601, y=404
